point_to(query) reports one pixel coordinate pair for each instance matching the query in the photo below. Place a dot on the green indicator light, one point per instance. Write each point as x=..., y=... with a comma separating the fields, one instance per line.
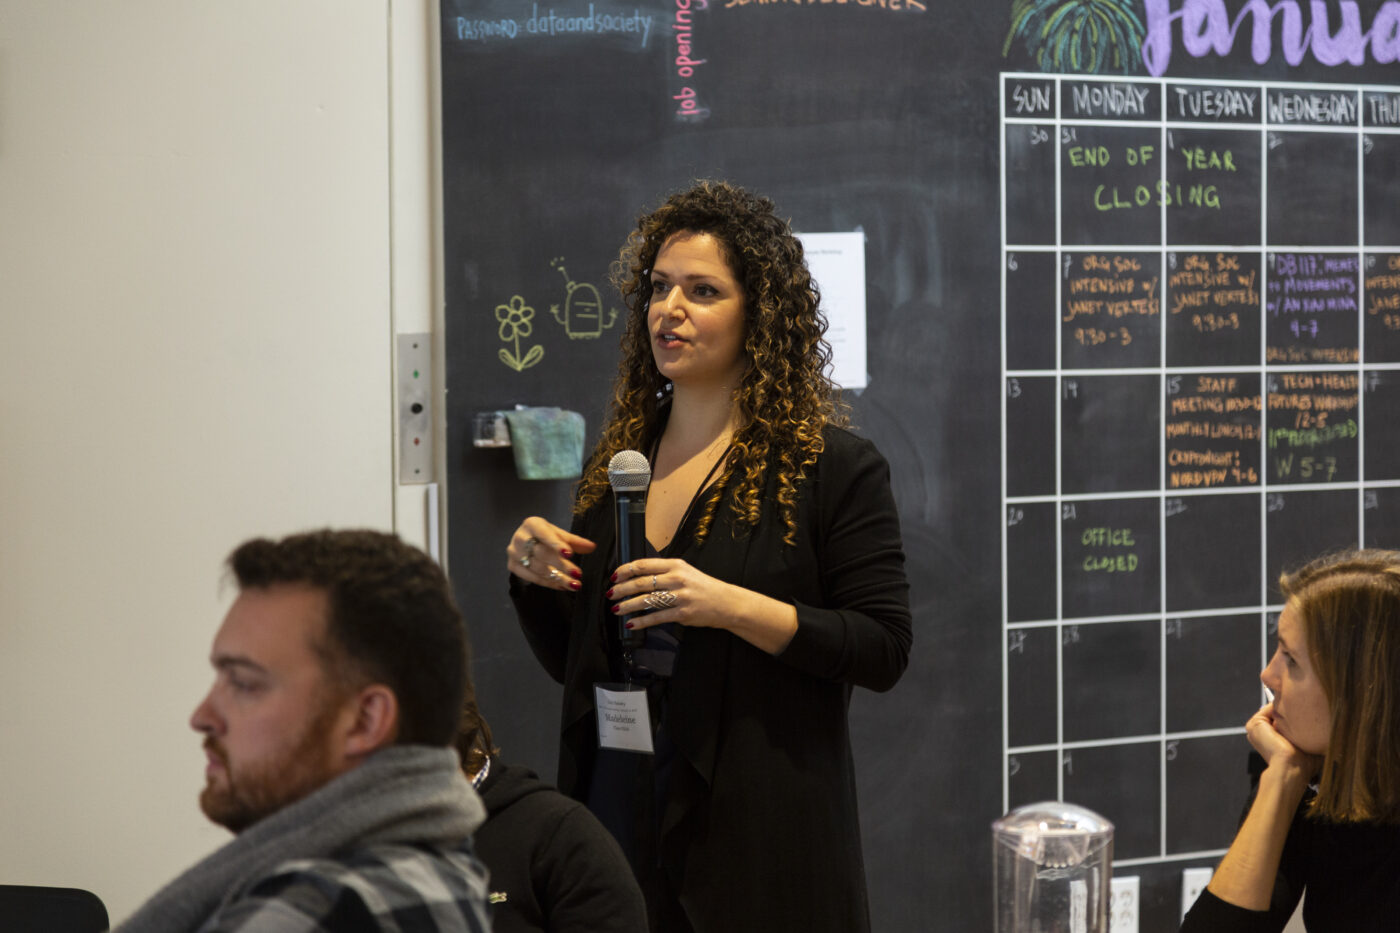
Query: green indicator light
x=415, y=374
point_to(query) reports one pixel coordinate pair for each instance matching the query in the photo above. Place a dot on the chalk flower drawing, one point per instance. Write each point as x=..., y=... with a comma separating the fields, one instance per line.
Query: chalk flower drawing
x=1079, y=36
x=515, y=319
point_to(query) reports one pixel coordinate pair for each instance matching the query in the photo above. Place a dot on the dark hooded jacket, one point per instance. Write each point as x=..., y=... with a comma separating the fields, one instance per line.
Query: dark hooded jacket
x=553, y=865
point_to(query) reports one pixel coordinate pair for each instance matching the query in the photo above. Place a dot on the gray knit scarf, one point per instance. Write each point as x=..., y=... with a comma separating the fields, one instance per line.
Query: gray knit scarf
x=401, y=794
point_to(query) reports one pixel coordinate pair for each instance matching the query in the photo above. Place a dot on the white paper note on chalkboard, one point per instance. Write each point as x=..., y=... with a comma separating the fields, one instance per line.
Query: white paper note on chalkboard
x=837, y=264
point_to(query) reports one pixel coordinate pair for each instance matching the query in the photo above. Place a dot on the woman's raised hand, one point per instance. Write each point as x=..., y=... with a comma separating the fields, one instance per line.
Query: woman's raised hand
x=541, y=553
x=1275, y=749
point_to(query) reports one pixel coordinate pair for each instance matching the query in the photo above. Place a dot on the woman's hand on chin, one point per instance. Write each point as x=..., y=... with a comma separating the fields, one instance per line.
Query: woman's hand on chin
x=1275, y=749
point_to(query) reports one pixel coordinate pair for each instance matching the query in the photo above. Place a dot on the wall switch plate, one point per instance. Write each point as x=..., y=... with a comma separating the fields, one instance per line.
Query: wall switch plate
x=1123, y=905
x=415, y=408
x=1193, y=882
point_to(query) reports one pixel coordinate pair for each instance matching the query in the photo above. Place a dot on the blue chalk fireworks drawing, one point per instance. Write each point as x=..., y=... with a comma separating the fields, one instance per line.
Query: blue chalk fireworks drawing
x=1079, y=36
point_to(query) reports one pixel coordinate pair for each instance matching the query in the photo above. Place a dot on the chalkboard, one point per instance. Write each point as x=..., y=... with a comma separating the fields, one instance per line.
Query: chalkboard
x=1113, y=287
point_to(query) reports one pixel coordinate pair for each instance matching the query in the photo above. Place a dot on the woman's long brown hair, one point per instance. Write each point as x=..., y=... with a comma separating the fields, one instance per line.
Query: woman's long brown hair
x=785, y=397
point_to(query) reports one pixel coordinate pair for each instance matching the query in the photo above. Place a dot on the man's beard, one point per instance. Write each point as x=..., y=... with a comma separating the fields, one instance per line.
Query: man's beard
x=260, y=790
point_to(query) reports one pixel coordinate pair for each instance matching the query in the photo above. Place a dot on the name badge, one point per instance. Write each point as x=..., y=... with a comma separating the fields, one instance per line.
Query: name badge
x=624, y=721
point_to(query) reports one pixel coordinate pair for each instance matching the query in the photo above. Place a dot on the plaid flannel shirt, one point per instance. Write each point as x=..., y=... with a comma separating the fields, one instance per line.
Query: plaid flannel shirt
x=403, y=889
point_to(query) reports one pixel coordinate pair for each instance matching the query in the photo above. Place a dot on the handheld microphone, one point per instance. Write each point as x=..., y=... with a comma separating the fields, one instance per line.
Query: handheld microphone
x=629, y=474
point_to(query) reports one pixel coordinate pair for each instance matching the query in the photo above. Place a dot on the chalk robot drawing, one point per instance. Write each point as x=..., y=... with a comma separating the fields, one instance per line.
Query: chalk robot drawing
x=1079, y=36
x=582, y=315
x=516, y=319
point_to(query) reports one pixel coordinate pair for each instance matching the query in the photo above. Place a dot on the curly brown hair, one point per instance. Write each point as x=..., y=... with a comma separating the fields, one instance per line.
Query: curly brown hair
x=785, y=397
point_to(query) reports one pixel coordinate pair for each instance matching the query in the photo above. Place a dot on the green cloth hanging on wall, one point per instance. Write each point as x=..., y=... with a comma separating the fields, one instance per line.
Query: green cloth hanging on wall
x=548, y=442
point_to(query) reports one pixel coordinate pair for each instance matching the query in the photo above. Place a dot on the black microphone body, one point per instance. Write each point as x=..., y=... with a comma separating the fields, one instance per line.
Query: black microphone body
x=630, y=474
x=631, y=512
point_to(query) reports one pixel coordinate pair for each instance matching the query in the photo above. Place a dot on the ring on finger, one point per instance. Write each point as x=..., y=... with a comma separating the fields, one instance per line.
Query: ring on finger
x=529, y=551
x=661, y=599
x=554, y=573
x=653, y=583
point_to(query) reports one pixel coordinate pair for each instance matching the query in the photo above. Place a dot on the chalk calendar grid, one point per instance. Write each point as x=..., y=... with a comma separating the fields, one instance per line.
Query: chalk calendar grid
x=1201, y=373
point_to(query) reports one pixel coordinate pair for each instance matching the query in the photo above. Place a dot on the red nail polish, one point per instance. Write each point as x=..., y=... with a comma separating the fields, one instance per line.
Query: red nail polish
x=608, y=594
x=627, y=625
x=575, y=585
x=566, y=553
x=576, y=574
x=613, y=578
x=616, y=609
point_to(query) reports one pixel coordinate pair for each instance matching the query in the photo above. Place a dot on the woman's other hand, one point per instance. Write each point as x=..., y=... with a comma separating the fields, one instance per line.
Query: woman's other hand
x=541, y=553
x=671, y=590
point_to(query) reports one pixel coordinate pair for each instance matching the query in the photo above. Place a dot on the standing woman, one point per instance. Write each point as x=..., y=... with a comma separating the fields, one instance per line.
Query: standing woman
x=1335, y=721
x=775, y=580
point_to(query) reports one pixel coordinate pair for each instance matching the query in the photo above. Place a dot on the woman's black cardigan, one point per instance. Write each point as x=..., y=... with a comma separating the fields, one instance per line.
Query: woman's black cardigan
x=760, y=830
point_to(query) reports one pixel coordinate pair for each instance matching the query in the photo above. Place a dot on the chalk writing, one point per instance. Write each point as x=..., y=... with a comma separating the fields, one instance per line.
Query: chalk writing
x=1313, y=107
x=1080, y=156
x=1151, y=194
x=1093, y=336
x=893, y=6
x=1213, y=429
x=1104, y=295
x=1099, y=100
x=1097, y=537
x=1211, y=292
x=1162, y=194
x=1206, y=28
x=550, y=23
x=1214, y=103
x=481, y=29
x=1114, y=551
x=1311, y=299
x=1031, y=99
x=1383, y=290
x=1198, y=159
x=1312, y=426
x=1382, y=109
x=688, y=106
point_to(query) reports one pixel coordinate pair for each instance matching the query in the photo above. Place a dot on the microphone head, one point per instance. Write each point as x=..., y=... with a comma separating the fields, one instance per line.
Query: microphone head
x=628, y=471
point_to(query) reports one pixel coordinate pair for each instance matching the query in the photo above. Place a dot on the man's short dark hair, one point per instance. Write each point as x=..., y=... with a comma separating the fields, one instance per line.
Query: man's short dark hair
x=391, y=619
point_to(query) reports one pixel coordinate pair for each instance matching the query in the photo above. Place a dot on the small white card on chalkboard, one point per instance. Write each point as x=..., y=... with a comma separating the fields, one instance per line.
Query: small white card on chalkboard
x=837, y=264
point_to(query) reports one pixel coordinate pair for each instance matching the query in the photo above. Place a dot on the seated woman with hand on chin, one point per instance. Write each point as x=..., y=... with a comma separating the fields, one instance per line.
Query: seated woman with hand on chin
x=1325, y=817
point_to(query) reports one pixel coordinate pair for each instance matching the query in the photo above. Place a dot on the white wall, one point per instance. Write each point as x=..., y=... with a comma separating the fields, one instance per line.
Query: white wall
x=207, y=241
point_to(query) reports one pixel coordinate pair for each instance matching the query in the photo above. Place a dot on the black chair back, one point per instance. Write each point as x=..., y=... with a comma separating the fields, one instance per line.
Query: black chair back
x=33, y=909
